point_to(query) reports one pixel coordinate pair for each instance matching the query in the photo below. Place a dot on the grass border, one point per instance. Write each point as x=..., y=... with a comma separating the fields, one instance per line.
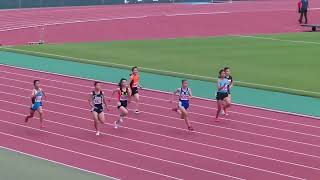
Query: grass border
x=154, y=71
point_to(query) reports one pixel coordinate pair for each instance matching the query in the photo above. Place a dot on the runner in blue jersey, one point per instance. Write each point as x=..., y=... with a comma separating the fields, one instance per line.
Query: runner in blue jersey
x=185, y=94
x=36, y=98
x=222, y=93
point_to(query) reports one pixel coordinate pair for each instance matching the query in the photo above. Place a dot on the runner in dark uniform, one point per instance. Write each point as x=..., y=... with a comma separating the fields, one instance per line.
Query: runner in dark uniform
x=230, y=85
x=97, y=103
x=303, y=10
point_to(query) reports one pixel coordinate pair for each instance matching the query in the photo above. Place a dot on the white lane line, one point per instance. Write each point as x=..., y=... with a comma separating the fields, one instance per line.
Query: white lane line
x=170, y=137
x=87, y=155
x=242, y=122
x=245, y=142
x=163, y=92
x=58, y=163
x=125, y=151
x=211, y=158
x=280, y=40
x=158, y=71
x=83, y=109
x=80, y=20
x=206, y=107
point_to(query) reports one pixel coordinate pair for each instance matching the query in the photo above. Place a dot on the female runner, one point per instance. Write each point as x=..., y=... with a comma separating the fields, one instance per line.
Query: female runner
x=97, y=103
x=222, y=93
x=134, y=85
x=230, y=85
x=185, y=95
x=36, y=99
x=123, y=94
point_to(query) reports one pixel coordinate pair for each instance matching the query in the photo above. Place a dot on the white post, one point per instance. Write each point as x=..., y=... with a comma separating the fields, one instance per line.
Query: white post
x=42, y=33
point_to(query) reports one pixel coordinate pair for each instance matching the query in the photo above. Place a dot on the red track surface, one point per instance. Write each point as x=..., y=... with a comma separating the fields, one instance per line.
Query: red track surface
x=249, y=144
x=105, y=23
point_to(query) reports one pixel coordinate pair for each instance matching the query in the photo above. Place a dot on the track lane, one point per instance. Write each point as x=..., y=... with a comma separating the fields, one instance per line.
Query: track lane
x=186, y=159
x=153, y=127
x=222, y=152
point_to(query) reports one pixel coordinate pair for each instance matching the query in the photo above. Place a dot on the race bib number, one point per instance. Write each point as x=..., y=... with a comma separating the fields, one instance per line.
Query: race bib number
x=97, y=100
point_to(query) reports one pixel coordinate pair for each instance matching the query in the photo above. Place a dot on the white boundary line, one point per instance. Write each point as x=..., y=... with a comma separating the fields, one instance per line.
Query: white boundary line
x=167, y=126
x=56, y=162
x=191, y=112
x=81, y=20
x=209, y=116
x=87, y=155
x=178, y=139
x=155, y=70
x=277, y=39
x=272, y=172
x=204, y=124
x=105, y=19
x=127, y=151
x=164, y=92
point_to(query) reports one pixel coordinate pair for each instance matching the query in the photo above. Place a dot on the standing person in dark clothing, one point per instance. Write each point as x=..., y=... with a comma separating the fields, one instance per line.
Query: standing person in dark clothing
x=303, y=10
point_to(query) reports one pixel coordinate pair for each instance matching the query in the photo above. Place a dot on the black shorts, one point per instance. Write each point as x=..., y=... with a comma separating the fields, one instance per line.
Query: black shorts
x=134, y=90
x=303, y=10
x=123, y=104
x=221, y=95
x=97, y=110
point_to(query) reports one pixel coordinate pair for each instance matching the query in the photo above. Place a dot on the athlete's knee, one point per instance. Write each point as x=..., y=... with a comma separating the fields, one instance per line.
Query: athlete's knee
x=185, y=113
x=124, y=112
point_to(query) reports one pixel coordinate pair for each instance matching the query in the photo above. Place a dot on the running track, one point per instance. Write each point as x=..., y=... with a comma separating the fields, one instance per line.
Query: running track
x=250, y=143
x=150, y=21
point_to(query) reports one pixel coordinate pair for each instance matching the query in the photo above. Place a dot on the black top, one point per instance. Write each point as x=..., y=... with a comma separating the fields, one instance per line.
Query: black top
x=230, y=82
x=97, y=99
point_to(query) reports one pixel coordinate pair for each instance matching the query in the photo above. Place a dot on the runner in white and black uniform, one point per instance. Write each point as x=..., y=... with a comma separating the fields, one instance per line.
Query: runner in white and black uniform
x=97, y=103
x=97, y=99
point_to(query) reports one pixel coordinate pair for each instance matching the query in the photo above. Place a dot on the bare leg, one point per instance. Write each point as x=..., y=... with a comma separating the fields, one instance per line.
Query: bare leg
x=184, y=115
x=95, y=122
x=228, y=103
x=220, y=106
x=40, y=111
x=101, y=118
x=29, y=116
x=123, y=112
x=137, y=100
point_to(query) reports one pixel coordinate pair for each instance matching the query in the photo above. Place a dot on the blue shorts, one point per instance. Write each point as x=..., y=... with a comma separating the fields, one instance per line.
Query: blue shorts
x=36, y=106
x=184, y=103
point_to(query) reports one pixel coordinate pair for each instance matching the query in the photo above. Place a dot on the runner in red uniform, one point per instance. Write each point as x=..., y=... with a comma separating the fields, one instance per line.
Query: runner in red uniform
x=123, y=95
x=135, y=85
